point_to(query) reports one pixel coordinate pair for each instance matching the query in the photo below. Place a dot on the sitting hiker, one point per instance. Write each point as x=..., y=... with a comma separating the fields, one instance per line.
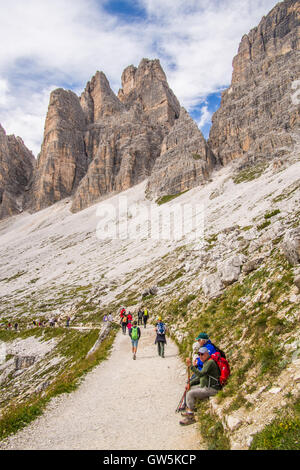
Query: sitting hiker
x=208, y=387
x=204, y=341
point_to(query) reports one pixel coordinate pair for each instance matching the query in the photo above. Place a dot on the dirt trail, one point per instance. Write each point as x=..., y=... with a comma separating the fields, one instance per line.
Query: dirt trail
x=121, y=404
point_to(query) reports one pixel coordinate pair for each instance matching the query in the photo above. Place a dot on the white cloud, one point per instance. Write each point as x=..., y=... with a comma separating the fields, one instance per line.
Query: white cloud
x=64, y=42
x=3, y=92
x=205, y=117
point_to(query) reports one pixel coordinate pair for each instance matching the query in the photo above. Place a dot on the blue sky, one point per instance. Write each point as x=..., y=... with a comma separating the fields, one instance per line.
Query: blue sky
x=62, y=43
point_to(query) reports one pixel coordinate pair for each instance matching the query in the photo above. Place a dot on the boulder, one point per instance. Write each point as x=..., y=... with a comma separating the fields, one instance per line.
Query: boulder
x=212, y=285
x=297, y=282
x=230, y=270
x=252, y=265
x=153, y=290
x=233, y=422
x=23, y=362
x=291, y=246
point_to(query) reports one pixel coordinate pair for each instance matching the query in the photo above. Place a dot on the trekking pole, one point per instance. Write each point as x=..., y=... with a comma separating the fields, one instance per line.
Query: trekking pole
x=180, y=403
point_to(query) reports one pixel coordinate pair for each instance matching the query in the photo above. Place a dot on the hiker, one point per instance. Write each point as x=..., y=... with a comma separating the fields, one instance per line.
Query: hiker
x=124, y=324
x=140, y=316
x=16, y=326
x=204, y=342
x=145, y=317
x=109, y=318
x=135, y=334
x=160, y=337
x=208, y=387
x=129, y=325
x=105, y=318
x=68, y=322
x=129, y=317
x=122, y=313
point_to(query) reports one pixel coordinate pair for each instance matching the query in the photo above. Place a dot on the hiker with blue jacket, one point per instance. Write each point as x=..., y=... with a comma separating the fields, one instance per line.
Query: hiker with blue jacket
x=160, y=337
x=204, y=342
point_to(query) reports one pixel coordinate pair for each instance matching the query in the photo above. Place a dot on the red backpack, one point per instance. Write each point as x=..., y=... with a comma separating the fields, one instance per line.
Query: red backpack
x=223, y=366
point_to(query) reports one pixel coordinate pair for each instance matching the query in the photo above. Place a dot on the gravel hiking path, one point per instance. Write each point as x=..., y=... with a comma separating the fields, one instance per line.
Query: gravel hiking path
x=121, y=404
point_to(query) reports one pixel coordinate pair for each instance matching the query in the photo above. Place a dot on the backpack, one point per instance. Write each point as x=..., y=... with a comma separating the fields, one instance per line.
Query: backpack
x=161, y=329
x=134, y=333
x=223, y=366
x=124, y=320
x=219, y=350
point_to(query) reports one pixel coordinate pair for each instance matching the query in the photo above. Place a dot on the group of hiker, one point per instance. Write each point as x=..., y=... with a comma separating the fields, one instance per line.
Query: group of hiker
x=210, y=373
x=126, y=319
x=37, y=324
x=134, y=331
x=209, y=367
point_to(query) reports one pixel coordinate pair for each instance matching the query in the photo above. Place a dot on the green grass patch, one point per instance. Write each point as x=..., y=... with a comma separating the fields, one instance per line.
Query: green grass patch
x=263, y=225
x=169, y=197
x=282, y=434
x=269, y=215
x=75, y=347
x=250, y=173
x=211, y=429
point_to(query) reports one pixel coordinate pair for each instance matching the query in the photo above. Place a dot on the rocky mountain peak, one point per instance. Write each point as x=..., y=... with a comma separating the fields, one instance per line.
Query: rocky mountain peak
x=98, y=100
x=147, y=86
x=17, y=165
x=276, y=35
x=258, y=117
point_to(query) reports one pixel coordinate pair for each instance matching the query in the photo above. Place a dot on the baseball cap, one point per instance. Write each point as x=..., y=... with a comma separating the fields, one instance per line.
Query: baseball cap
x=202, y=336
x=203, y=351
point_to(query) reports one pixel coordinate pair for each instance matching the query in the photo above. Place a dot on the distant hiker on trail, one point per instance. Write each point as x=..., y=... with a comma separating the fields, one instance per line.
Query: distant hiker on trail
x=105, y=318
x=122, y=313
x=145, y=317
x=129, y=317
x=68, y=322
x=110, y=318
x=208, y=387
x=140, y=316
x=135, y=334
x=129, y=325
x=124, y=324
x=16, y=326
x=160, y=337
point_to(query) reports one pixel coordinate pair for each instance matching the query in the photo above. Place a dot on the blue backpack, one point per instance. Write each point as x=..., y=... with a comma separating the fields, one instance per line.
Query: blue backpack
x=161, y=329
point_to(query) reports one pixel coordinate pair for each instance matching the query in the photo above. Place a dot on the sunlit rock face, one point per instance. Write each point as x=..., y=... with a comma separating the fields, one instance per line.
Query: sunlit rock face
x=16, y=171
x=259, y=113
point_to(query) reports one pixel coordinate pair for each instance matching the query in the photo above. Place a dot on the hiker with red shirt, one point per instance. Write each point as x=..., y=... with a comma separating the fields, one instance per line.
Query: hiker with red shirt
x=129, y=326
x=129, y=317
x=122, y=313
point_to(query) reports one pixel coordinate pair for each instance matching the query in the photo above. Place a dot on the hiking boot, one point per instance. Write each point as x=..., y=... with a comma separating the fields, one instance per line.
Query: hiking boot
x=188, y=420
x=187, y=414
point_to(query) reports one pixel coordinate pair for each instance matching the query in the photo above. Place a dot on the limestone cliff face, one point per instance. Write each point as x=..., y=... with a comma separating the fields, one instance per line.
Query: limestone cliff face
x=257, y=116
x=147, y=85
x=63, y=161
x=16, y=170
x=185, y=160
x=128, y=146
x=100, y=143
